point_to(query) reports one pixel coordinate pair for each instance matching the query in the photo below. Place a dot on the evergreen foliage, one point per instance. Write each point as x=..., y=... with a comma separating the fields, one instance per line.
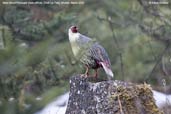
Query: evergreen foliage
x=37, y=59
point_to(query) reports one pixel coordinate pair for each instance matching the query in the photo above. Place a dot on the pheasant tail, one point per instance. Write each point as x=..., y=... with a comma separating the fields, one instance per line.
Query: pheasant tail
x=107, y=69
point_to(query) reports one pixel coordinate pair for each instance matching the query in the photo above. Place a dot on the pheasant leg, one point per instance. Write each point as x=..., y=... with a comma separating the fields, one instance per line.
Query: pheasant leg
x=96, y=74
x=87, y=70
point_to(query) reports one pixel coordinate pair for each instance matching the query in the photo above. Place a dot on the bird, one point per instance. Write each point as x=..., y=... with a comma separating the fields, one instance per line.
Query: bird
x=89, y=52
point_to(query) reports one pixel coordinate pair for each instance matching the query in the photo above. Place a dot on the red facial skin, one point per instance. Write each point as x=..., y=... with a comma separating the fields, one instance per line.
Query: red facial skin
x=74, y=29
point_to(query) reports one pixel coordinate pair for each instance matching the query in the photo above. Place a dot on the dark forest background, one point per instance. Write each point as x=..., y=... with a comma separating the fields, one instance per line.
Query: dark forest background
x=36, y=59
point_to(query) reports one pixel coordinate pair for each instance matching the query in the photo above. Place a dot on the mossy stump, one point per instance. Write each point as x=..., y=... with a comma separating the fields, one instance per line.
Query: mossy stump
x=109, y=97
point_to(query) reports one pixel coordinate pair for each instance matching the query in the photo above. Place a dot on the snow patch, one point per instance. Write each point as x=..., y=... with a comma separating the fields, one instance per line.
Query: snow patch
x=161, y=99
x=58, y=106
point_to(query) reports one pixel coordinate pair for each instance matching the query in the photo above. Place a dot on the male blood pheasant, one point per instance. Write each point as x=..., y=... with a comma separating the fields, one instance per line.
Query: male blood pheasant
x=90, y=53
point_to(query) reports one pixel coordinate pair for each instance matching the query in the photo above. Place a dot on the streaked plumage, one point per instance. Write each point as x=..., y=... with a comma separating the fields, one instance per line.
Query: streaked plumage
x=89, y=52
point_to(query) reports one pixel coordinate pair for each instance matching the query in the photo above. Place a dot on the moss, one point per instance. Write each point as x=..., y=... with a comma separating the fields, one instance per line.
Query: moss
x=135, y=99
x=145, y=93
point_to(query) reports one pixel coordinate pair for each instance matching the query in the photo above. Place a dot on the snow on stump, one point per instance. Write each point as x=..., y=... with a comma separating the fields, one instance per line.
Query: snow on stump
x=109, y=97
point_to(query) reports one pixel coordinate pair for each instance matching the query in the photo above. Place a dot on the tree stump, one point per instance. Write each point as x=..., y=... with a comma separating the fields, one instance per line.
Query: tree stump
x=109, y=97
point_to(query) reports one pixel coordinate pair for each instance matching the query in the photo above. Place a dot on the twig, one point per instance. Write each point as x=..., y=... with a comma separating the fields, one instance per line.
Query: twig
x=154, y=12
x=158, y=61
x=164, y=68
x=152, y=51
x=166, y=97
x=117, y=46
x=52, y=70
x=111, y=23
x=120, y=105
x=3, y=31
